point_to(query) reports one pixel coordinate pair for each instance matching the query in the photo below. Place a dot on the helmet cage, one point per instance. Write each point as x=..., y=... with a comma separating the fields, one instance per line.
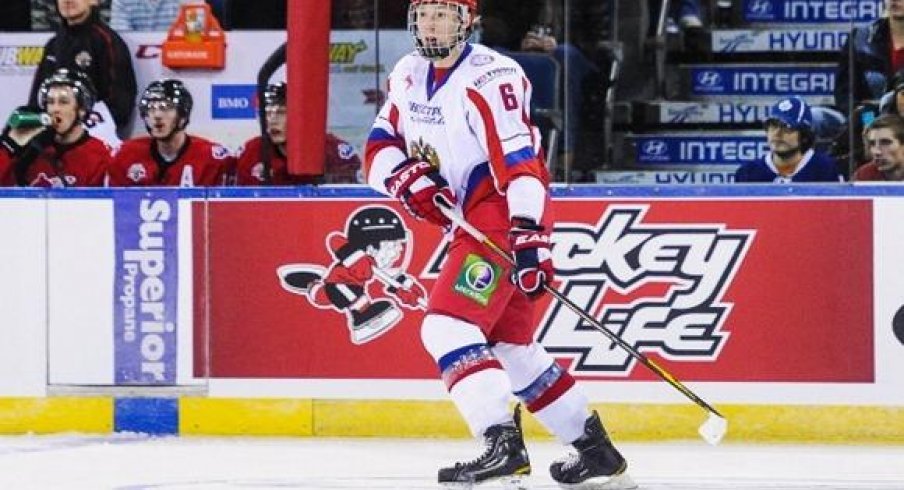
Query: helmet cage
x=451, y=40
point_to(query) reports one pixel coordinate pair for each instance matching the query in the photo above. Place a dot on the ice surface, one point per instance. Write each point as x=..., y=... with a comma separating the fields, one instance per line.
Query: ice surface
x=133, y=462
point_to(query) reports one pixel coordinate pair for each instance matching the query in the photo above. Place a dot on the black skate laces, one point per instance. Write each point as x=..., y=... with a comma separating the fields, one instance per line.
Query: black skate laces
x=569, y=461
x=490, y=442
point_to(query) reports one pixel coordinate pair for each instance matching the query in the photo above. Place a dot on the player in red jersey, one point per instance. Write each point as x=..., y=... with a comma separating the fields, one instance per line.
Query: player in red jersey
x=169, y=156
x=267, y=166
x=62, y=154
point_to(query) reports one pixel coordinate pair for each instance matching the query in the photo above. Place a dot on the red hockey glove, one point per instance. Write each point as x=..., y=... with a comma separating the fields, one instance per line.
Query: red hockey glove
x=410, y=294
x=533, y=257
x=415, y=183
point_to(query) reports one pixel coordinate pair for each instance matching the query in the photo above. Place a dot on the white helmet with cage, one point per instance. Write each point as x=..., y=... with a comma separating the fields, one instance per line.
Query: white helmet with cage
x=440, y=26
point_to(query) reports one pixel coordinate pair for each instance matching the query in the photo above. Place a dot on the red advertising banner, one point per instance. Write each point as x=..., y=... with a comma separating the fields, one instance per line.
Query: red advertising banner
x=718, y=290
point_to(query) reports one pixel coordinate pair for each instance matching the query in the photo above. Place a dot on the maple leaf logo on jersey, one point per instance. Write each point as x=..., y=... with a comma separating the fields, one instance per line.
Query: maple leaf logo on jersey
x=53, y=181
x=367, y=279
x=424, y=151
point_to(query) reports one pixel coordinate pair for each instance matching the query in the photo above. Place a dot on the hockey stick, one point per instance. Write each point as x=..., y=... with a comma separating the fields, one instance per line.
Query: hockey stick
x=715, y=426
x=387, y=279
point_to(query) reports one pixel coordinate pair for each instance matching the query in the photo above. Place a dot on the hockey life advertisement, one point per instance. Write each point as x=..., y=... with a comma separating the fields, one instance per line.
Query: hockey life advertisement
x=714, y=288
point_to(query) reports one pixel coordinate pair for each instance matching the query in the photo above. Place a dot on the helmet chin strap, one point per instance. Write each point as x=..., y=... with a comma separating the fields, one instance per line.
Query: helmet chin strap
x=177, y=127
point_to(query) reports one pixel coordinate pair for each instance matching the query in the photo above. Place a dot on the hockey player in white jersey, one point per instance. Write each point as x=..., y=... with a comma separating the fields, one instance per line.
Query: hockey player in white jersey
x=457, y=124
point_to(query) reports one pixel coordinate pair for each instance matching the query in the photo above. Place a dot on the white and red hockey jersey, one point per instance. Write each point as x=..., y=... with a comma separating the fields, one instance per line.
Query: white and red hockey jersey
x=474, y=124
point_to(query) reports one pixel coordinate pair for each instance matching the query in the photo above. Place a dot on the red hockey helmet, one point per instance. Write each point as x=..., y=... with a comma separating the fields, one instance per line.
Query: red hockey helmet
x=442, y=39
x=470, y=4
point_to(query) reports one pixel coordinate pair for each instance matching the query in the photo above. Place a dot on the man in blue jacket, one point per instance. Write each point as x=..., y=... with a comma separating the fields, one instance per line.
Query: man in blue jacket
x=792, y=158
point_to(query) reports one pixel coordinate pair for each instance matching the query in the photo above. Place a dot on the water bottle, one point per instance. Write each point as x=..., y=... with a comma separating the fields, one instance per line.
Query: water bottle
x=20, y=119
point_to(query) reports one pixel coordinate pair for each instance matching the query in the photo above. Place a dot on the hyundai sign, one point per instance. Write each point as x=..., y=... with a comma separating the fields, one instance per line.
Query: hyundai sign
x=796, y=41
x=713, y=113
x=772, y=81
x=716, y=150
x=233, y=101
x=812, y=11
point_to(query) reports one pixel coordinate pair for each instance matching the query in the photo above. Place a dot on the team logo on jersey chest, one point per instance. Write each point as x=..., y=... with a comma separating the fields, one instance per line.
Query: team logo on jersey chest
x=422, y=150
x=83, y=60
x=426, y=114
x=257, y=171
x=136, y=172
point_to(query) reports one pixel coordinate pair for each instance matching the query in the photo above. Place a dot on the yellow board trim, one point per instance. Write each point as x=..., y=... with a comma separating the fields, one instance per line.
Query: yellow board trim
x=397, y=418
x=51, y=415
x=233, y=416
x=626, y=422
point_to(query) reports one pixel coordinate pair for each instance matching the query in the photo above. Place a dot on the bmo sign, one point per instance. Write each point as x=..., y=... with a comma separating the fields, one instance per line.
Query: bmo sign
x=233, y=102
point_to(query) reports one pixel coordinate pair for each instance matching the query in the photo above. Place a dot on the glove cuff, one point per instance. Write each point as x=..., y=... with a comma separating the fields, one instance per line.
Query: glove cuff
x=524, y=223
x=10, y=144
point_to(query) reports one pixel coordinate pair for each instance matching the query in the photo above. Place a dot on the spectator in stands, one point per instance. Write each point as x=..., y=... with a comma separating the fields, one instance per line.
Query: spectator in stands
x=537, y=26
x=342, y=165
x=15, y=15
x=62, y=153
x=363, y=14
x=878, y=53
x=247, y=14
x=144, y=15
x=45, y=15
x=85, y=43
x=884, y=140
x=683, y=14
x=892, y=102
x=169, y=156
x=792, y=158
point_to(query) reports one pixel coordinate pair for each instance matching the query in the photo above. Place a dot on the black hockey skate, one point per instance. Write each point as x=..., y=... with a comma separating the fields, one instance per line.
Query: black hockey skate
x=505, y=459
x=597, y=464
x=374, y=320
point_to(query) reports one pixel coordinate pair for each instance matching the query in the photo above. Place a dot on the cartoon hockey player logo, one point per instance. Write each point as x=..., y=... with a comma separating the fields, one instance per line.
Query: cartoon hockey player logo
x=376, y=246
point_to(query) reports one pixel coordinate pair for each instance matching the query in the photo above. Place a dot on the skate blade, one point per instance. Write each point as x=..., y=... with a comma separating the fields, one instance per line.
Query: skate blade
x=621, y=481
x=514, y=482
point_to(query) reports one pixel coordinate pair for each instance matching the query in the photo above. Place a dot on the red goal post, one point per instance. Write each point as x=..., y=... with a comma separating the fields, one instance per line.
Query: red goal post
x=307, y=72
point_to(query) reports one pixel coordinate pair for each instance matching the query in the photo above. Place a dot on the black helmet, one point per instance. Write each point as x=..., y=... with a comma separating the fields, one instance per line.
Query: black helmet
x=169, y=90
x=275, y=94
x=373, y=224
x=79, y=82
